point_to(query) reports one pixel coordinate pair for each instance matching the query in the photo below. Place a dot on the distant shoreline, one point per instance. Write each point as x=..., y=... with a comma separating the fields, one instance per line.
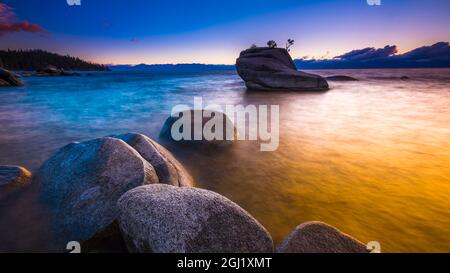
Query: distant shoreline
x=35, y=60
x=223, y=67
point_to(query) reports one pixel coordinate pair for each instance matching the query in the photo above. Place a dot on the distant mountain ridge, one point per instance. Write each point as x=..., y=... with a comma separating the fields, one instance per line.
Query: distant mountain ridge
x=31, y=60
x=193, y=67
x=434, y=56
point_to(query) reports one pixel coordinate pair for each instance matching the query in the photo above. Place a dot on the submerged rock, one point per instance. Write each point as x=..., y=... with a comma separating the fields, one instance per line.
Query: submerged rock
x=168, y=169
x=317, y=237
x=8, y=78
x=51, y=70
x=82, y=182
x=226, y=135
x=14, y=176
x=264, y=68
x=166, y=219
x=341, y=78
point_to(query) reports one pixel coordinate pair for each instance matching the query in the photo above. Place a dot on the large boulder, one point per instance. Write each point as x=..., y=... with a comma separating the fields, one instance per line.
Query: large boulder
x=82, y=182
x=317, y=237
x=166, y=219
x=8, y=78
x=228, y=133
x=168, y=169
x=264, y=68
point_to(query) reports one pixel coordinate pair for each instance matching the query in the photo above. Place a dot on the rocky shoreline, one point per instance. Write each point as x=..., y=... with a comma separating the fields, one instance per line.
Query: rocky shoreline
x=9, y=78
x=129, y=189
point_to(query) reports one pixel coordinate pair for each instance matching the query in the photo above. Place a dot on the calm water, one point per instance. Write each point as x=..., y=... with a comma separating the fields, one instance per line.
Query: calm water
x=371, y=157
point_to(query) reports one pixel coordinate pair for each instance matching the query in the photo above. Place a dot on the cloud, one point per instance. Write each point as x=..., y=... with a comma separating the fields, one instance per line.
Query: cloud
x=437, y=55
x=369, y=53
x=135, y=40
x=439, y=50
x=20, y=26
x=6, y=14
x=9, y=23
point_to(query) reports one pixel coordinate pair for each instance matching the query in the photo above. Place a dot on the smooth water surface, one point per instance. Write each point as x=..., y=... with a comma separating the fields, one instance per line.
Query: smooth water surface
x=370, y=157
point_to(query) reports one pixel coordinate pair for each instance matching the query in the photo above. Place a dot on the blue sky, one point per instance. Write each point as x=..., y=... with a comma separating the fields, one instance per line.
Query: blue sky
x=134, y=31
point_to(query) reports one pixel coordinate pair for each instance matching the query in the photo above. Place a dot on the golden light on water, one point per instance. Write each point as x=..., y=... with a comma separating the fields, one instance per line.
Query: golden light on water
x=373, y=161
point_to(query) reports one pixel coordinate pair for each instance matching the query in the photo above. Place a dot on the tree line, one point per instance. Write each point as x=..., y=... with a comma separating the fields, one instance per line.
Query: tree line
x=30, y=60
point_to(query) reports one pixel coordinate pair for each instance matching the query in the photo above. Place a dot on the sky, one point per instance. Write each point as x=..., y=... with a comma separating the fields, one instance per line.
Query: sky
x=215, y=31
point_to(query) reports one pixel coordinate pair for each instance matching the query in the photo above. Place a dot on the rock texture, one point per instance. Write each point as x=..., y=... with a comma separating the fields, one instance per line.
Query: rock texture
x=8, y=78
x=317, y=237
x=168, y=169
x=166, y=219
x=228, y=133
x=82, y=182
x=14, y=176
x=264, y=68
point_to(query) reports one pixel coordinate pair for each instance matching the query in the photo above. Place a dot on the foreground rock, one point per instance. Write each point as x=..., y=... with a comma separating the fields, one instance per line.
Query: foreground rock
x=82, y=182
x=168, y=169
x=264, y=68
x=8, y=78
x=14, y=176
x=317, y=237
x=225, y=136
x=341, y=78
x=166, y=219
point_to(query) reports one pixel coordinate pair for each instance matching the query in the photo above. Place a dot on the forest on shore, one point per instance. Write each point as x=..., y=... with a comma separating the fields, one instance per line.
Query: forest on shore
x=31, y=60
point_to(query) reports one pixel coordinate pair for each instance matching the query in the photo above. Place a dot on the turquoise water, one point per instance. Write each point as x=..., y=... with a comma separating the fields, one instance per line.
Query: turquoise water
x=51, y=111
x=370, y=157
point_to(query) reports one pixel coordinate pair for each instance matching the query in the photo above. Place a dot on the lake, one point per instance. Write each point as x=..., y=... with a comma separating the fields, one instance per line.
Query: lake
x=371, y=158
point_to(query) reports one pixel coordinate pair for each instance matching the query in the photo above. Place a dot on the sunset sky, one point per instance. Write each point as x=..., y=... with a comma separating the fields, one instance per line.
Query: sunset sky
x=136, y=31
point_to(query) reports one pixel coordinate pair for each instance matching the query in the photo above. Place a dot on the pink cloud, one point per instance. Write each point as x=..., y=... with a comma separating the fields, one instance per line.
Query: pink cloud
x=9, y=23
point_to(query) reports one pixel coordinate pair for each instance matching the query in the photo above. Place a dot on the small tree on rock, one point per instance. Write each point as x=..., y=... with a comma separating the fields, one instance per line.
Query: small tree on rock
x=272, y=44
x=289, y=43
